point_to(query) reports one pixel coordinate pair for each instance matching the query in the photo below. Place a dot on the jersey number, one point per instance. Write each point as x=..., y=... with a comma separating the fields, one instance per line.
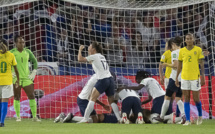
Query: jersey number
x=189, y=59
x=3, y=67
x=105, y=65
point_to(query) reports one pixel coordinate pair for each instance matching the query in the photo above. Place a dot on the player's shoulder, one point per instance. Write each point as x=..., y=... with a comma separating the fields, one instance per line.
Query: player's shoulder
x=197, y=48
x=167, y=52
x=27, y=50
x=13, y=50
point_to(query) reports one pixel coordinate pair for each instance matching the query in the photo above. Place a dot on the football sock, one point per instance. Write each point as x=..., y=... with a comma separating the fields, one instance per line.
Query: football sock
x=33, y=106
x=180, y=105
x=164, y=109
x=167, y=117
x=16, y=104
x=177, y=111
x=199, y=108
x=89, y=110
x=77, y=119
x=177, y=119
x=115, y=110
x=187, y=110
x=3, y=111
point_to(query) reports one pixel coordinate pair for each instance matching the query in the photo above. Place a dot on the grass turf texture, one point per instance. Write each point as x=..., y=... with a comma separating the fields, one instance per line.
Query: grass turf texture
x=26, y=126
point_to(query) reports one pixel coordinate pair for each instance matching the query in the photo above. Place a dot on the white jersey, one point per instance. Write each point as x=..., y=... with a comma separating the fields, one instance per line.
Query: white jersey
x=88, y=88
x=100, y=65
x=127, y=93
x=153, y=87
x=174, y=56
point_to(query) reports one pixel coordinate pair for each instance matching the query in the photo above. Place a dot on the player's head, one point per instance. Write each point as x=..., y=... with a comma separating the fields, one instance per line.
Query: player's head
x=95, y=47
x=169, y=44
x=146, y=115
x=189, y=39
x=19, y=41
x=140, y=75
x=3, y=46
x=176, y=42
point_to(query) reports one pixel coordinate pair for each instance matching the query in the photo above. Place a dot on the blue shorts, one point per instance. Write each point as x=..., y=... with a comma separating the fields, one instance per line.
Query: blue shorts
x=172, y=88
x=105, y=85
x=83, y=105
x=110, y=118
x=157, y=105
x=131, y=103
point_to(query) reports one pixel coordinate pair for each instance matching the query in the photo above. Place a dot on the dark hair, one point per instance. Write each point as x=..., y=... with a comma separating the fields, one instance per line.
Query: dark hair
x=190, y=34
x=142, y=74
x=146, y=115
x=178, y=40
x=17, y=37
x=3, y=46
x=97, y=46
x=169, y=45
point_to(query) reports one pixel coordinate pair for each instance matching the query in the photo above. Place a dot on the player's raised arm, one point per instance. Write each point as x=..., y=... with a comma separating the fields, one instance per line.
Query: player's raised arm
x=80, y=57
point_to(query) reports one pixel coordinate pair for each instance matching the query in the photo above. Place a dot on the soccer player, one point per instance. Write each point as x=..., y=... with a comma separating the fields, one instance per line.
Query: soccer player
x=130, y=101
x=191, y=56
x=23, y=55
x=7, y=60
x=172, y=88
x=154, y=90
x=166, y=58
x=105, y=81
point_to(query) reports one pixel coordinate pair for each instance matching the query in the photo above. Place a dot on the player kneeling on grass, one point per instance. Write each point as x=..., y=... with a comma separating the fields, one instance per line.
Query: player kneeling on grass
x=172, y=88
x=23, y=55
x=7, y=59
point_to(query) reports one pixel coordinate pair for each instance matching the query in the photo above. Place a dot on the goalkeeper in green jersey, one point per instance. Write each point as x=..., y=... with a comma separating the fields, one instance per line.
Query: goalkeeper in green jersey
x=23, y=56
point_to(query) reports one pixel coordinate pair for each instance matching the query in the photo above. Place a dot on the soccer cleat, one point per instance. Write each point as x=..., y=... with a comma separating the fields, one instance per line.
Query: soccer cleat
x=83, y=121
x=199, y=121
x=1, y=124
x=140, y=118
x=187, y=123
x=68, y=118
x=158, y=118
x=183, y=119
x=18, y=119
x=124, y=119
x=36, y=119
x=61, y=115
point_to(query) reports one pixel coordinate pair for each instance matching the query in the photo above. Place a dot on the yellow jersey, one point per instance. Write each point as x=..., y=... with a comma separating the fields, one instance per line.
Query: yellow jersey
x=166, y=58
x=190, y=62
x=6, y=61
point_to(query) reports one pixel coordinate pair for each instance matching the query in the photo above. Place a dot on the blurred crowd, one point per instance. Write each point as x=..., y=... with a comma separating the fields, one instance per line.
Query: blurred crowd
x=55, y=29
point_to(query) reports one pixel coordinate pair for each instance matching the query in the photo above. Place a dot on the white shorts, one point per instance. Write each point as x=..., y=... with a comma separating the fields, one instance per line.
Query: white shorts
x=6, y=91
x=194, y=85
x=166, y=82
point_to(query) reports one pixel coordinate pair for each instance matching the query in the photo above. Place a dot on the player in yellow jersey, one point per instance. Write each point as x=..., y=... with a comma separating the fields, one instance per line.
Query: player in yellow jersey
x=191, y=56
x=7, y=60
x=166, y=58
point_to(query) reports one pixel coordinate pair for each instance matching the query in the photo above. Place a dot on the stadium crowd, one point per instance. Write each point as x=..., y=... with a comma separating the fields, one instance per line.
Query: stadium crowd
x=54, y=30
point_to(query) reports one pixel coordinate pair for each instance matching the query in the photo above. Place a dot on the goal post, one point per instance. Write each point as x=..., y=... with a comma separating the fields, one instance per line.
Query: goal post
x=133, y=34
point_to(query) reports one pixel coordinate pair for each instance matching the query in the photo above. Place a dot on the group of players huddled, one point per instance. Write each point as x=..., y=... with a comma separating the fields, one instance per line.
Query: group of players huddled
x=179, y=81
x=14, y=75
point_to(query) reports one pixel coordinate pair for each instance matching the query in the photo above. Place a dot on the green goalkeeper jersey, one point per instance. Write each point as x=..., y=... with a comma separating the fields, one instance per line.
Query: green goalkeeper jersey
x=23, y=59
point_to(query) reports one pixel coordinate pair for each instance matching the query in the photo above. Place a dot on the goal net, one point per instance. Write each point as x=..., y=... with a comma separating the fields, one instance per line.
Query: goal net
x=133, y=34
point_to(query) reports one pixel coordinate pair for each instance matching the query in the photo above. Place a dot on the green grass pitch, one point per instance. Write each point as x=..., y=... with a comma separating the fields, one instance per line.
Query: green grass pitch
x=48, y=127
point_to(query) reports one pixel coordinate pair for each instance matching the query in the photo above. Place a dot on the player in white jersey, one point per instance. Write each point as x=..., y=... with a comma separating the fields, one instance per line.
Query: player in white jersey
x=130, y=101
x=172, y=88
x=105, y=81
x=154, y=90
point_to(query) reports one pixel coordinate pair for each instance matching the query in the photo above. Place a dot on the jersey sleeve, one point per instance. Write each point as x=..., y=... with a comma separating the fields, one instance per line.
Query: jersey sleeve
x=91, y=58
x=14, y=63
x=163, y=57
x=201, y=56
x=143, y=82
x=32, y=59
x=180, y=55
x=174, y=56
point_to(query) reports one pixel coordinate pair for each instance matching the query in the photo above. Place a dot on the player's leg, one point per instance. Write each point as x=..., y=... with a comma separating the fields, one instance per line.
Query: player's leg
x=126, y=109
x=137, y=110
x=180, y=105
x=196, y=98
x=16, y=102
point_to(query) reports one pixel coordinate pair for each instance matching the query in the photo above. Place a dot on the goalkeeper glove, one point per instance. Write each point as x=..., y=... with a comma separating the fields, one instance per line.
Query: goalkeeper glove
x=33, y=74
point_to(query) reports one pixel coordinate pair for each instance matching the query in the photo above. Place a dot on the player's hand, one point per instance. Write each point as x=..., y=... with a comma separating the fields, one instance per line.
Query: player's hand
x=177, y=83
x=162, y=80
x=17, y=84
x=32, y=75
x=202, y=81
x=81, y=47
x=106, y=107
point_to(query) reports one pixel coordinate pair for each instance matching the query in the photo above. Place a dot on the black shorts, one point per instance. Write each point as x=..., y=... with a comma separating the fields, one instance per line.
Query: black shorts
x=131, y=103
x=105, y=85
x=172, y=88
x=110, y=118
x=83, y=105
x=157, y=105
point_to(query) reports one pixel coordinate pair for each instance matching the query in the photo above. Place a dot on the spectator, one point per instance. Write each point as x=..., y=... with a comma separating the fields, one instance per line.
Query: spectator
x=200, y=25
x=188, y=26
x=9, y=32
